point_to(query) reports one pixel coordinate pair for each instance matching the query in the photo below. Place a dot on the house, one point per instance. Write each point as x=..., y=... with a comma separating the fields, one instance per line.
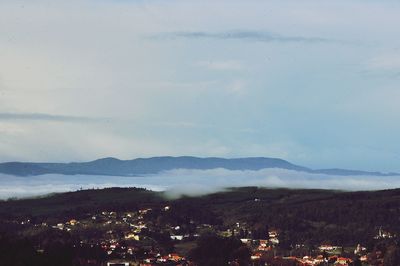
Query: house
x=175, y=257
x=256, y=256
x=343, y=261
x=273, y=234
x=245, y=240
x=176, y=237
x=326, y=248
x=132, y=236
x=150, y=260
x=274, y=240
x=382, y=234
x=144, y=211
x=118, y=263
x=60, y=226
x=263, y=245
x=359, y=250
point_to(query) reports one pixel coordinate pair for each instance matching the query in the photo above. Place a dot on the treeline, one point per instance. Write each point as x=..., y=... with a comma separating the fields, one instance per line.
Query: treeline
x=301, y=216
x=313, y=216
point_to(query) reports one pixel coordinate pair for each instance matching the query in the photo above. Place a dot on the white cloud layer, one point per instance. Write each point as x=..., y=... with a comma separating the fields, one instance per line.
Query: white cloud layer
x=192, y=182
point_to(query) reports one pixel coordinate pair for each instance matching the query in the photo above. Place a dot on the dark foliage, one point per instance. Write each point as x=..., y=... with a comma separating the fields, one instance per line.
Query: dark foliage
x=216, y=250
x=308, y=217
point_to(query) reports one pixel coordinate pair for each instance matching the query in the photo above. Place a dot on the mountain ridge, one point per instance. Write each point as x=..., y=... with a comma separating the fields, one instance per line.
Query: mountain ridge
x=110, y=166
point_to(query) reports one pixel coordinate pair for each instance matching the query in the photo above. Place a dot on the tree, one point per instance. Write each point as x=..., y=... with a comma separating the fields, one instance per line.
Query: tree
x=215, y=250
x=392, y=256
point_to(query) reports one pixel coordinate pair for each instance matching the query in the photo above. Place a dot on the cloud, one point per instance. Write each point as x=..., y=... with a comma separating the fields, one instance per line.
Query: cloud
x=20, y=187
x=383, y=65
x=389, y=61
x=193, y=182
x=219, y=179
x=46, y=117
x=221, y=65
x=259, y=36
x=237, y=87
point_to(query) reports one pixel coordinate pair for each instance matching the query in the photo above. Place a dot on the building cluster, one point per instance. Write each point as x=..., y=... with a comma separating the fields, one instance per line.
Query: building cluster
x=137, y=238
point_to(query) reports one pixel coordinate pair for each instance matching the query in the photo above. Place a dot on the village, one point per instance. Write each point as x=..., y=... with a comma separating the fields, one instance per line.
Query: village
x=141, y=238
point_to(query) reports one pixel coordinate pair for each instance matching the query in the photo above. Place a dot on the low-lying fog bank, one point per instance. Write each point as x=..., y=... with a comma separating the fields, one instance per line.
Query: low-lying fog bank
x=191, y=182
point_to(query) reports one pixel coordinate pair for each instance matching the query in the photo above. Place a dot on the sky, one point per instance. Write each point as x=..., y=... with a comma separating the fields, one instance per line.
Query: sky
x=312, y=82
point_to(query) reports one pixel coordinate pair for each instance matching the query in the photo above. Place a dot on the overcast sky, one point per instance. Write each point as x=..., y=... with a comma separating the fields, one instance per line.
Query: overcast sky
x=313, y=82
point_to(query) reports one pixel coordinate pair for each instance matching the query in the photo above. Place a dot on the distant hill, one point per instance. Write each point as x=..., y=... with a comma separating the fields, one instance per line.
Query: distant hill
x=154, y=165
